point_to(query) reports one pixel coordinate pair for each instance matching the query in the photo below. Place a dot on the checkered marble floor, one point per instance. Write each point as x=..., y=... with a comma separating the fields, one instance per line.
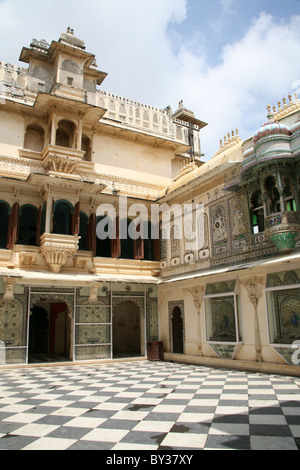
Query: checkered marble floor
x=141, y=405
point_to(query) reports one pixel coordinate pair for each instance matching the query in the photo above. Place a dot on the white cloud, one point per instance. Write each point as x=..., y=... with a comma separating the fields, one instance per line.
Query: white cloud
x=226, y=4
x=259, y=68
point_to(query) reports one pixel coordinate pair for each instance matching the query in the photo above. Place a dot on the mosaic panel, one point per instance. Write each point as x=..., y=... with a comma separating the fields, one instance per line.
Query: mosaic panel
x=219, y=228
x=93, y=314
x=92, y=334
x=284, y=315
x=85, y=353
x=13, y=328
x=12, y=323
x=220, y=319
x=58, y=297
x=238, y=224
x=286, y=278
x=152, y=326
x=15, y=356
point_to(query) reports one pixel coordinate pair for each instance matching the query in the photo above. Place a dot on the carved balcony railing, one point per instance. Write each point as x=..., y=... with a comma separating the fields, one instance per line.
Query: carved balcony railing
x=282, y=229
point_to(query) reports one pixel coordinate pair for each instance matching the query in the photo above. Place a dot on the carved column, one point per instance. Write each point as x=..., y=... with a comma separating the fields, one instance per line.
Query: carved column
x=79, y=134
x=255, y=286
x=53, y=129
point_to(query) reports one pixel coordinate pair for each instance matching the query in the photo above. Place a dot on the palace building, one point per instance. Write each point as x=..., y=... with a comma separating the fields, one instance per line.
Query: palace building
x=74, y=158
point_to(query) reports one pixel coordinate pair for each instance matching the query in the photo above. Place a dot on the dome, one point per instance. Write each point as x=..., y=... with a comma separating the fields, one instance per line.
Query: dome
x=271, y=128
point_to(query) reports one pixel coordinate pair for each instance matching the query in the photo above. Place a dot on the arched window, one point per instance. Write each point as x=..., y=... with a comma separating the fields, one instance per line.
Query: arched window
x=62, y=218
x=62, y=138
x=43, y=218
x=149, y=241
x=27, y=225
x=34, y=138
x=86, y=146
x=4, y=217
x=257, y=212
x=65, y=134
x=273, y=197
x=127, y=244
x=83, y=231
x=103, y=247
x=289, y=195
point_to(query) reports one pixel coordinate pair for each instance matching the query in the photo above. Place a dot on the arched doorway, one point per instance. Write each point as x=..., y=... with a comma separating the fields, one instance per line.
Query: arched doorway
x=177, y=331
x=126, y=329
x=49, y=332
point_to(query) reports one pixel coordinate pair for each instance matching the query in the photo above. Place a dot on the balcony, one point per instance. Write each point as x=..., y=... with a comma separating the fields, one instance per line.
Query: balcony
x=57, y=249
x=61, y=161
x=282, y=229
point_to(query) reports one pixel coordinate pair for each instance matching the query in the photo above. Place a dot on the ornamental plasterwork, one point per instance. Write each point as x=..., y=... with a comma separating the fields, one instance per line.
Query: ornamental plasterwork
x=16, y=166
x=201, y=188
x=57, y=249
x=198, y=296
x=60, y=165
x=255, y=287
x=200, y=226
x=219, y=225
x=229, y=141
x=285, y=108
x=54, y=297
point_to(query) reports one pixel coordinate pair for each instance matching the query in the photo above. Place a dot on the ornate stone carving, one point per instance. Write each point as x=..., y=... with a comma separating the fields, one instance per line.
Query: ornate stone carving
x=229, y=141
x=57, y=249
x=61, y=161
x=94, y=289
x=41, y=46
x=9, y=283
x=282, y=229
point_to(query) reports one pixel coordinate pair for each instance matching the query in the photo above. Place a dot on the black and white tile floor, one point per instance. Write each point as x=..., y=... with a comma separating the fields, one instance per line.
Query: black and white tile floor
x=141, y=405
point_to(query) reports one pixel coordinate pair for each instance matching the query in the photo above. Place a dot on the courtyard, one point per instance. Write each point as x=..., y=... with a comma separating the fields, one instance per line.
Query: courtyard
x=141, y=405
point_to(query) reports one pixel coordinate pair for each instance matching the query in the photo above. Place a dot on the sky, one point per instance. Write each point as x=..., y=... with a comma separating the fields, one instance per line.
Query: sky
x=226, y=59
